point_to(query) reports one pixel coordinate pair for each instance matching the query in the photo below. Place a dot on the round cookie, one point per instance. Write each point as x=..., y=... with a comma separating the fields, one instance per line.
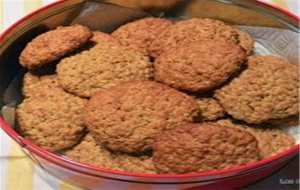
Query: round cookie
x=268, y=89
x=139, y=34
x=196, y=29
x=126, y=118
x=53, y=45
x=195, y=148
x=50, y=117
x=210, y=109
x=101, y=67
x=88, y=151
x=270, y=141
x=200, y=66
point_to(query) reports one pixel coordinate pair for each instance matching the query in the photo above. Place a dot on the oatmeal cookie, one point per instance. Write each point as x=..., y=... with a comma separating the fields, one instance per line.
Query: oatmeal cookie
x=139, y=34
x=101, y=67
x=205, y=147
x=270, y=141
x=197, y=29
x=50, y=117
x=268, y=89
x=53, y=45
x=199, y=67
x=127, y=118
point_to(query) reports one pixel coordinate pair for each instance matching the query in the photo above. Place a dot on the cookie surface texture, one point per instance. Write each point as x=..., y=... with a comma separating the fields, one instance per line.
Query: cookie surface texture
x=53, y=45
x=39, y=86
x=126, y=118
x=268, y=89
x=195, y=148
x=103, y=66
x=200, y=66
x=270, y=141
x=210, y=109
x=196, y=29
x=50, y=117
x=139, y=34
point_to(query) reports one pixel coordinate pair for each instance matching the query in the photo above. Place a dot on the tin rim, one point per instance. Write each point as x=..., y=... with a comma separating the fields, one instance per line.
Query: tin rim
x=43, y=153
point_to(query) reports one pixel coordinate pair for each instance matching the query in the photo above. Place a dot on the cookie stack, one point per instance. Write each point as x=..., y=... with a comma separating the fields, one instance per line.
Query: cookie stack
x=157, y=96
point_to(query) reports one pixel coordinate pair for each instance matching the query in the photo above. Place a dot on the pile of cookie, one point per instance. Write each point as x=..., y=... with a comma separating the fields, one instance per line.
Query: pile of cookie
x=157, y=96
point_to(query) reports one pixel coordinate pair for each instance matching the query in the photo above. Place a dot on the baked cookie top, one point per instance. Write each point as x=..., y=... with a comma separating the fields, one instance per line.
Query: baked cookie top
x=210, y=109
x=139, y=34
x=53, y=45
x=270, y=141
x=40, y=86
x=268, y=89
x=50, y=117
x=199, y=66
x=205, y=147
x=198, y=29
x=101, y=67
x=127, y=118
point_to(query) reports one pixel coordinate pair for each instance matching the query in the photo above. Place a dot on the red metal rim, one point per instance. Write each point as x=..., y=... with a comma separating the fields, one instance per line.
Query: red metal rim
x=44, y=153
x=279, y=9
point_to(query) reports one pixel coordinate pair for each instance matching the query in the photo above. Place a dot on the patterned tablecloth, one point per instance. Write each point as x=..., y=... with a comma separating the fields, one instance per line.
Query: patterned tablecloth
x=19, y=173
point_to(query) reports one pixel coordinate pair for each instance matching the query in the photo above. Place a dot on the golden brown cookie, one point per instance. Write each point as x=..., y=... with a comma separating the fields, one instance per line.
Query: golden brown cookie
x=199, y=66
x=53, y=45
x=48, y=116
x=101, y=67
x=270, y=141
x=196, y=29
x=210, y=109
x=268, y=89
x=195, y=148
x=139, y=34
x=127, y=117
